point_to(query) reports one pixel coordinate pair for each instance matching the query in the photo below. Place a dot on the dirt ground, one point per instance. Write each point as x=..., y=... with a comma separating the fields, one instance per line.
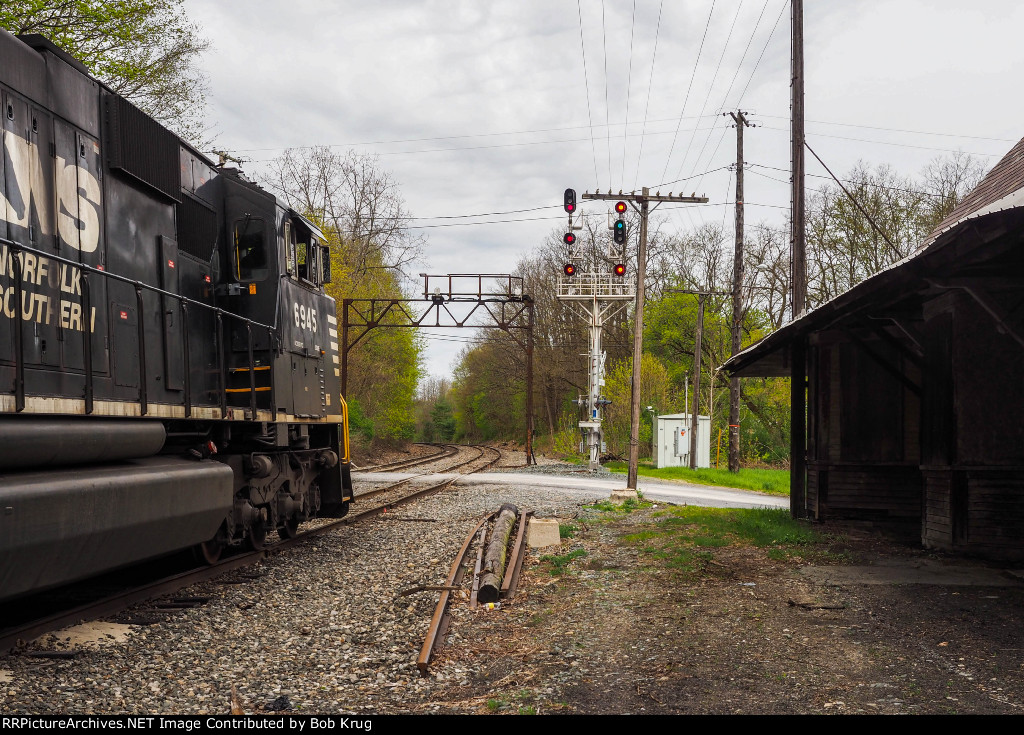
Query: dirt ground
x=620, y=632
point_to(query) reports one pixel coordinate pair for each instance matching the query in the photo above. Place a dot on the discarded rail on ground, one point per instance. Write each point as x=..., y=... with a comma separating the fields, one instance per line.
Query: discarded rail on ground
x=507, y=576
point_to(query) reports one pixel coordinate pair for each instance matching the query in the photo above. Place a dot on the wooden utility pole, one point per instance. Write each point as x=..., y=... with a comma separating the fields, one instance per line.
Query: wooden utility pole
x=696, y=381
x=641, y=203
x=798, y=379
x=638, y=339
x=697, y=350
x=798, y=238
x=739, y=117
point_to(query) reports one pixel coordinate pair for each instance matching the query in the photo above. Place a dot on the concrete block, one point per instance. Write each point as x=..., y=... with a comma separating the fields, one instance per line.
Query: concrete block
x=542, y=532
x=621, y=496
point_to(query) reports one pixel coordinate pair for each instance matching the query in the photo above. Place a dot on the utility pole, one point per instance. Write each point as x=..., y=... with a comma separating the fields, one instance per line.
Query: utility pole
x=641, y=203
x=696, y=381
x=797, y=154
x=798, y=379
x=697, y=350
x=739, y=117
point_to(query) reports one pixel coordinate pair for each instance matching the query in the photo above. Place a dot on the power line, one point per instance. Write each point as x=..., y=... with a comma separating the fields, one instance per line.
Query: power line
x=711, y=86
x=712, y=157
x=763, y=49
x=725, y=97
x=686, y=99
x=489, y=147
x=676, y=181
x=447, y=137
x=629, y=82
x=586, y=83
x=745, y=50
x=848, y=181
x=898, y=130
x=650, y=82
x=898, y=145
x=607, y=129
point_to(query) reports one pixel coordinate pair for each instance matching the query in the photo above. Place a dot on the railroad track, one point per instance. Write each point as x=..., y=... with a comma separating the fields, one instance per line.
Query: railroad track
x=444, y=451
x=12, y=636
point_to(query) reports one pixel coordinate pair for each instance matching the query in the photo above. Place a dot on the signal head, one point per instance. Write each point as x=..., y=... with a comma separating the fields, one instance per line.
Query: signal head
x=619, y=269
x=569, y=200
x=569, y=238
x=569, y=269
x=620, y=231
x=620, y=207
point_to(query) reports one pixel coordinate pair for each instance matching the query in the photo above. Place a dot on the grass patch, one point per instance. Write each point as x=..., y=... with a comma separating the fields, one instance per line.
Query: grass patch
x=567, y=530
x=559, y=563
x=628, y=506
x=683, y=537
x=773, y=482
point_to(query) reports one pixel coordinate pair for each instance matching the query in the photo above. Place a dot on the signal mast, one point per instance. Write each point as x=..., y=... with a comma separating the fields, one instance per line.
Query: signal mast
x=597, y=297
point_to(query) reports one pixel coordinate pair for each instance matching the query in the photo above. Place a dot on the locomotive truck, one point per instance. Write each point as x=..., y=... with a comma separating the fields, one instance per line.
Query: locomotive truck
x=168, y=355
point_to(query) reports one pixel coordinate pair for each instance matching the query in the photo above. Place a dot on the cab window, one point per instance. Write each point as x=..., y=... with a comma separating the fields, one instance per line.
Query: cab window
x=308, y=262
x=289, y=249
x=251, y=250
x=302, y=261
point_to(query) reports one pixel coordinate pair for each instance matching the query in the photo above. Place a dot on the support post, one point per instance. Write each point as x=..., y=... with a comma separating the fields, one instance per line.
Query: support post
x=799, y=282
x=530, y=459
x=798, y=430
x=695, y=411
x=638, y=340
x=737, y=298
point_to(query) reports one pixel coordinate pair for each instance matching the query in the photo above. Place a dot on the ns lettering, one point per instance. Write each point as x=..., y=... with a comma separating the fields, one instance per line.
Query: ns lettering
x=77, y=216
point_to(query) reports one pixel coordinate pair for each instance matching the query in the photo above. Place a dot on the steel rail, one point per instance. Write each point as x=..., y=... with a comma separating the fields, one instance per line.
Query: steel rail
x=439, y=621
x=446, y=450
x=510, y=583
x=407, y=480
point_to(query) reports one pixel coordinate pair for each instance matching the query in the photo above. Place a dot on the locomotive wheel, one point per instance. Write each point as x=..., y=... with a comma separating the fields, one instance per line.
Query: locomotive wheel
x=210, y=551
x=258, y=537
x=289, y=530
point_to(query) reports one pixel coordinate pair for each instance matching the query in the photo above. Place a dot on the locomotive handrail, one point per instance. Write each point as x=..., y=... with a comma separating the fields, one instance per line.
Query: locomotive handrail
x=139, y=286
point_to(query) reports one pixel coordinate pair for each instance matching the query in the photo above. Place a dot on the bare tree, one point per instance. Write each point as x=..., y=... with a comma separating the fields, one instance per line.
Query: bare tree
x=351, y=197
x=948, y=180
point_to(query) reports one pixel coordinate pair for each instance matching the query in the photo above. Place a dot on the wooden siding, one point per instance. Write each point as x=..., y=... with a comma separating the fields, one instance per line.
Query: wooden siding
x=937, y=523
x=862, y=491
x=976, y=510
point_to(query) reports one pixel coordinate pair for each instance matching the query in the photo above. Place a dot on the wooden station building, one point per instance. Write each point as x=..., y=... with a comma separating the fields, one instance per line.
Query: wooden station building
x=915, y=383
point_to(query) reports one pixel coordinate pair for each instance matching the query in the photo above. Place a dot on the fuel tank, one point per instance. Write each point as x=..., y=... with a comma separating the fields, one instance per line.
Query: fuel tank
x=58, y=526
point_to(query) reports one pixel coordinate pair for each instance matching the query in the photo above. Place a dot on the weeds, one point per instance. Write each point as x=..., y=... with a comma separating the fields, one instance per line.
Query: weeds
x=558, y=563
x=567, y=530
x=683, y=538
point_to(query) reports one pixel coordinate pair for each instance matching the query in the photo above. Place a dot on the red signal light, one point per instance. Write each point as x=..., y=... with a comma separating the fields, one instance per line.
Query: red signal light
x=569, y=269
x=569, y=238
x=620, y=207
x=619, y=269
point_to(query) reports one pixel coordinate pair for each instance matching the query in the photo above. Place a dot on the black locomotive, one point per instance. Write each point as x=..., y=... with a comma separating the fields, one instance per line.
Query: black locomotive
x=168, y=356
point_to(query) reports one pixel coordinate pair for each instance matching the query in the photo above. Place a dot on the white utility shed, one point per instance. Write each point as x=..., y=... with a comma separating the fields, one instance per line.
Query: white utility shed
x=672, y=448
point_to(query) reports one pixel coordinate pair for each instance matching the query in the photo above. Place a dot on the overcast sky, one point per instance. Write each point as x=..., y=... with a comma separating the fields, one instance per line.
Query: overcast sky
x=482, y=107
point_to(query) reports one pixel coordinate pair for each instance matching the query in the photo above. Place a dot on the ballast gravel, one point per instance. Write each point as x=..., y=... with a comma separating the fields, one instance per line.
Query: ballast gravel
x=317, y=629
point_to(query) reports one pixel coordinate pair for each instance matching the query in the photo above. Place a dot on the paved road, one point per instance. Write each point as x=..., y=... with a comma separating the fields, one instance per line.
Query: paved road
x=595, y=488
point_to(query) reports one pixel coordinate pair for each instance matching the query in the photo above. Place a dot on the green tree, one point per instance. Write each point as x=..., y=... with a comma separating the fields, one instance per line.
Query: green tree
x=443, y=420
x=145, y=50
